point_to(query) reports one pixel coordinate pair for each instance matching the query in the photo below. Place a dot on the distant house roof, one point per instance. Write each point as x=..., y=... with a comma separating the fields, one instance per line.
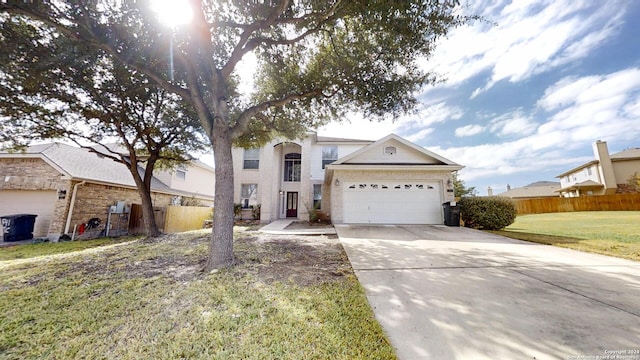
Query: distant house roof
x=584, y=185
x=82, y=164
x=628, y=154
x=533, y=190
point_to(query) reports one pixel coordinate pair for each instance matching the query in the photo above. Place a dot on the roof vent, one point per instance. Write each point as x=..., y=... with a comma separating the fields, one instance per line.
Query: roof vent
x=390, y=150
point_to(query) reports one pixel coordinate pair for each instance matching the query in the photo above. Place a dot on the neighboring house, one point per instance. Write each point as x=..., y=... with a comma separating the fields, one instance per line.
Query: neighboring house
x=607, y=174
x=66, y=186
x=539, y=189
x=389, y=181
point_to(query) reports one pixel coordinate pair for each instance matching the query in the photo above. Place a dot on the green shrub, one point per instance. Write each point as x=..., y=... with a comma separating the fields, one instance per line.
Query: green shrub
x=489, y=213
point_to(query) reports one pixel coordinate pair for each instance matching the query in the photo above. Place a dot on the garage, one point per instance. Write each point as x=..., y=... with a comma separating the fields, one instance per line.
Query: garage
x=393, y=202
x=38, y=202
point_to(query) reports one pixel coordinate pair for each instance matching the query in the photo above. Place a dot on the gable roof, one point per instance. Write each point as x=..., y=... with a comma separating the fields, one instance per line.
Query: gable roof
x=81, y=164
x=426, y=154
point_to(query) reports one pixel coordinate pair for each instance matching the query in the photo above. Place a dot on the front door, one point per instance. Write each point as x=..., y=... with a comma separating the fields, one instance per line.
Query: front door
x=292, y=204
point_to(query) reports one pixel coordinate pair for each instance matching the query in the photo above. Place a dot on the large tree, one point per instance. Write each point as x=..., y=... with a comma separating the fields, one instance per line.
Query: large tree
x=62, y=90
x=317, y=60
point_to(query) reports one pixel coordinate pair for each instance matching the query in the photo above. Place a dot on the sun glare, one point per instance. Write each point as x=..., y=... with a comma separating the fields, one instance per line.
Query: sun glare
x=173, y=12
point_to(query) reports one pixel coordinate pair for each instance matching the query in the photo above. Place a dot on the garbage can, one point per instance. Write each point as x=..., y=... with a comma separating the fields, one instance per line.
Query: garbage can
x=18, y=227
x=451, y=214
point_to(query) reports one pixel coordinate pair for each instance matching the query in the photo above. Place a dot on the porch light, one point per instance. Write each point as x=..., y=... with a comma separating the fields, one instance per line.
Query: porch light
x=337, y=182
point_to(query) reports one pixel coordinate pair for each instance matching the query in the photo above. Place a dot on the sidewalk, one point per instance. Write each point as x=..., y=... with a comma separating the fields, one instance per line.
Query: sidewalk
x=278, y=227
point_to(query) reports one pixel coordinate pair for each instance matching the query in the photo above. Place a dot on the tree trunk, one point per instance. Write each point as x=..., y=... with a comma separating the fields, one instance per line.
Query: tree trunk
x=148, y=215
x=150, y=226
x=221, y=246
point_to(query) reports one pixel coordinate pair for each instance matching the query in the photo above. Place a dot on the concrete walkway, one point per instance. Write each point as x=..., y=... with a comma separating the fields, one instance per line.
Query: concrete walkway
x=456, y=293
x=278, y=227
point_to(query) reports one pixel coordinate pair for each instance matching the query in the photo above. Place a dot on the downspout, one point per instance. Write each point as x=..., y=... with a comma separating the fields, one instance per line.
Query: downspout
x=73, y=203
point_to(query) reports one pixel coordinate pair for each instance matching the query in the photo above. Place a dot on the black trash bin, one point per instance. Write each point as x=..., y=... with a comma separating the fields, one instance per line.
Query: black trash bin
x=451, y=214
x=18, y=227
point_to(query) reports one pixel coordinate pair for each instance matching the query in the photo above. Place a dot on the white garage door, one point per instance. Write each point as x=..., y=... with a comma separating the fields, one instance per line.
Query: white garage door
x=393, y=202
x=39, y=202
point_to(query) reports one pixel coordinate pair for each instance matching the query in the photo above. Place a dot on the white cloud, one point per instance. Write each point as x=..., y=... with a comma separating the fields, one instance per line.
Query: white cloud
x=530, y=38
x=419, y=135
x=585, y=109
x=469, y=130
x=414, y=127
x=513, y=123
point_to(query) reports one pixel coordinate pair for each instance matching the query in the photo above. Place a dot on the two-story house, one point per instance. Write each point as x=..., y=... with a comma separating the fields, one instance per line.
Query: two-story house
x=389, y=181
x=607, y=174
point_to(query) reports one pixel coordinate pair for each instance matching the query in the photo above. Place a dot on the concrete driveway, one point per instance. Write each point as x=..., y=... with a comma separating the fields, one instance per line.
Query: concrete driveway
x=457, y=293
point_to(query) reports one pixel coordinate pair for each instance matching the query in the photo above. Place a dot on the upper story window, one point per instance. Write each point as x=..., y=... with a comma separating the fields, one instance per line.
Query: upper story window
x=181, y=173
x=292, y=167
x=329, y=155
x=251, y=158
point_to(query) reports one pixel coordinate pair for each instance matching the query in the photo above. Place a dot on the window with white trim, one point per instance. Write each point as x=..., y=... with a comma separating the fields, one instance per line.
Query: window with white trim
x=251, y=158
x=181, y=173
x=329, y=155
x=317, y=196
x=248, y=195
x=292, y=167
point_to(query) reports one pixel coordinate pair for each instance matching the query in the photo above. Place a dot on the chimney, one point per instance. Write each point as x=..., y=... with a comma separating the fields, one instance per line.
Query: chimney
x=489, y=191
x=508, y=187
x=605, y=167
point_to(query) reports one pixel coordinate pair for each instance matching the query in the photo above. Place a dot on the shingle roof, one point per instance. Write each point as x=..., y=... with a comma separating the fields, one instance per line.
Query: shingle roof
x=626, y=154
x=534, y=190
x=84, y=165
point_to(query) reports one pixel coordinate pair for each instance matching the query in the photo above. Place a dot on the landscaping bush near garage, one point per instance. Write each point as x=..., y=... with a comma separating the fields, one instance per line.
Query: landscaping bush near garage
x=286, y=298
x=488, y=213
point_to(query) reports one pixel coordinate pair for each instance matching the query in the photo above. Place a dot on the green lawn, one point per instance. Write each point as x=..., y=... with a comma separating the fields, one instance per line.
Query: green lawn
x=614, y=233
x=149, y=300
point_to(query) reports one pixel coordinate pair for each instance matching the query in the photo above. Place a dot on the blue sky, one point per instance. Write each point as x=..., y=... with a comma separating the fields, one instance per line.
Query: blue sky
x=526, y=98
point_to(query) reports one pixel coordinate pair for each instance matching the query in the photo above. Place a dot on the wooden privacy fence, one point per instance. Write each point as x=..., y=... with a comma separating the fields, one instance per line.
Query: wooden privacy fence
x=186, y=218
x=618, y=202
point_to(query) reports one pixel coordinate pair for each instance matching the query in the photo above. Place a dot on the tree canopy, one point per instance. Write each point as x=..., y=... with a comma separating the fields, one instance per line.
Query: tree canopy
x=316, y=60
x=62, y=90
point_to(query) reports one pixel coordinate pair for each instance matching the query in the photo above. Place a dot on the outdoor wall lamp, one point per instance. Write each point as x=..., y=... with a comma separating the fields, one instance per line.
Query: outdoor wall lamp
x=449, y=183
x=337, y=182
x=281, y=192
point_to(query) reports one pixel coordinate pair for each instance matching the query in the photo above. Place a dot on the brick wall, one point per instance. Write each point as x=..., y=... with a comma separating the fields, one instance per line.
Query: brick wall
x=29, y=174
x=94, y=200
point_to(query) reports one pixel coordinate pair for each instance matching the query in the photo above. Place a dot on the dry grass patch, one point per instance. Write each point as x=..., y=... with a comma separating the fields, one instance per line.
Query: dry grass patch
x=288, y=298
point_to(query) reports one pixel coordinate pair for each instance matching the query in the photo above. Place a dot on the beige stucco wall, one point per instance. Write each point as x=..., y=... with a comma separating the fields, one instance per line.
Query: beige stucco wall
x=343, y=176
x=625, y=169
x=198, y=180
